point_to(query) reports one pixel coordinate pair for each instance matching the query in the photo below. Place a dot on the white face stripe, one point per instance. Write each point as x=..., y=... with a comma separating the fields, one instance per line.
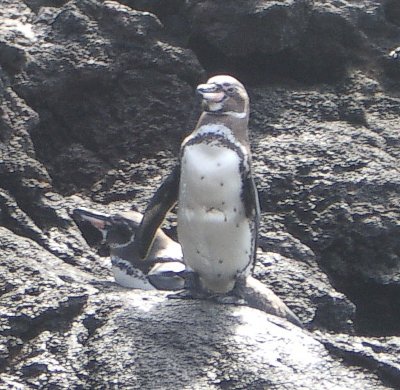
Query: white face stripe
x=235, y=114
x=214, y=106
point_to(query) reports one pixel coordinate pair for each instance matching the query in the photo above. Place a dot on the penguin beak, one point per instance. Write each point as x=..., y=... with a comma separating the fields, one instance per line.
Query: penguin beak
x=211, y=92
x=98, y=220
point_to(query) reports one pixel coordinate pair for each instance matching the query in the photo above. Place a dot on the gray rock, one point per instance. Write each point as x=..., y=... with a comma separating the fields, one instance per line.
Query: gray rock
x=366, y=351
x=60, y=329
x=88, y=52
x=310, y=41
x=232, y=27
x=333, y=185
x=198, y=348
x=86, y=89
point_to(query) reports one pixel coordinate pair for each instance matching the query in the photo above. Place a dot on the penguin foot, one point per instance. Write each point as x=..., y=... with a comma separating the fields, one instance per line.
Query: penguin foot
x=185, y=294
x=192, y=288
x=248, y=291
x=226, y=299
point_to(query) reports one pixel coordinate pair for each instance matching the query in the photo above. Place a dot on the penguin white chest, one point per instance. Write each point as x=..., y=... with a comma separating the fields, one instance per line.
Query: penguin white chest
x=128, y=276
x=215, y=235
x=211, y=177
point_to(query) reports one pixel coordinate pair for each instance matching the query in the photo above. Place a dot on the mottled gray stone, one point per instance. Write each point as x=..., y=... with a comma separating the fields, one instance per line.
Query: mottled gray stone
x=95, y=98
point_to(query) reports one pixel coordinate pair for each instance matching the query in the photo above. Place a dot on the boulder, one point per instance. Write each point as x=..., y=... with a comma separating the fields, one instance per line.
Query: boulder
x=95, y=99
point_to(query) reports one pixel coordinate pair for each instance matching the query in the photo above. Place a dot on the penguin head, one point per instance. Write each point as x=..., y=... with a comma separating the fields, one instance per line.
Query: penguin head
x=120, y=231
x=224, y=95
x=117, y=230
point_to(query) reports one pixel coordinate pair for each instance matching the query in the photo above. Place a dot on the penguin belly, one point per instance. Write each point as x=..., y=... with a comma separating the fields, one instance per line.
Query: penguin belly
x=128, y=276
x=215, y=234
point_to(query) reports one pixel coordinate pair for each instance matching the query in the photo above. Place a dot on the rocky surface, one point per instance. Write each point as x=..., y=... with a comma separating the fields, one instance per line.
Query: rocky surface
x=95, y=98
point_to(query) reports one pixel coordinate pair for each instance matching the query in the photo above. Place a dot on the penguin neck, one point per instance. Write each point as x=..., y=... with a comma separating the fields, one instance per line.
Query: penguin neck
x=127, y=253
x=238, y=125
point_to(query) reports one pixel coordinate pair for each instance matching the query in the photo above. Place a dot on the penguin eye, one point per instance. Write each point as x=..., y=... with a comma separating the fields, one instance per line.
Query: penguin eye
x=231, y=90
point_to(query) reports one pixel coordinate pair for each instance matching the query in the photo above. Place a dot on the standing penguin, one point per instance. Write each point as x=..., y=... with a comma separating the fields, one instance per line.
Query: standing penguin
x=218, y=209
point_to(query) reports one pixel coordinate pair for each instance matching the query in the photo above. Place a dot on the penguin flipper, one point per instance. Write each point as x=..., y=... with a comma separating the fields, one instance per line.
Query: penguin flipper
x=163, y=200
x=250, y=197
x=251, y=205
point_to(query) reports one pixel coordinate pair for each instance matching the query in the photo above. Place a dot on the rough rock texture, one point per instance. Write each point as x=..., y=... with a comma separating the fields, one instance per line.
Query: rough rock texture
x=333, y=183
x=95, y=98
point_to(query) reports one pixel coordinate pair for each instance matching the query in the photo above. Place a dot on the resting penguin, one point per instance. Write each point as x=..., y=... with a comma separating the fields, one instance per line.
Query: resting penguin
x=218, y=208
x=163, y=264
